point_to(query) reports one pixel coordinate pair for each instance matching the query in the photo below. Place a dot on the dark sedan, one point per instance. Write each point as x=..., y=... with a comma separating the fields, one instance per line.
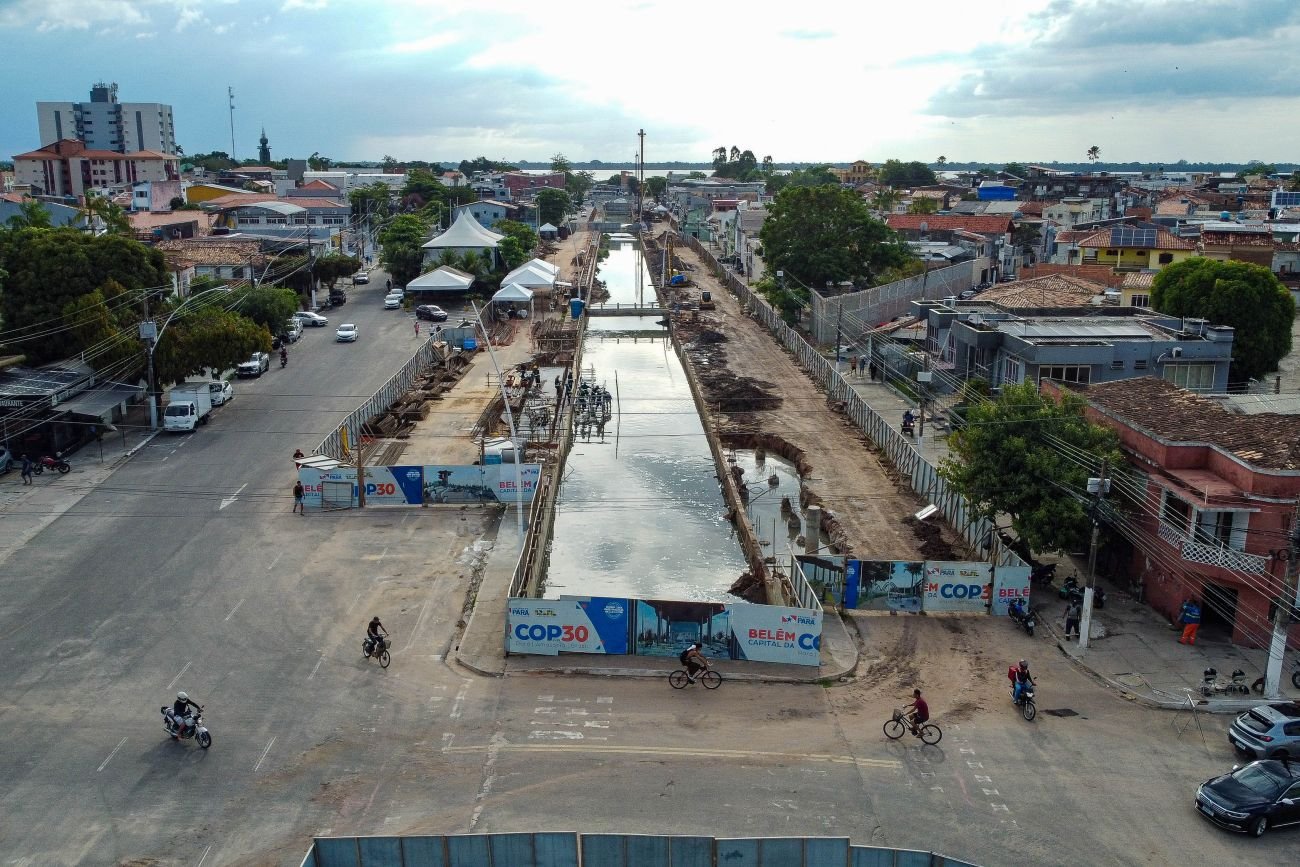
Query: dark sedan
x=1253, y=798
x=431, y=313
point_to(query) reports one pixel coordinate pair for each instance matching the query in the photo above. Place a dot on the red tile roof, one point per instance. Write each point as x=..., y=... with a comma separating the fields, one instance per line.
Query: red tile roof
x=67, y=148
x=983, y=224
x=318, y=184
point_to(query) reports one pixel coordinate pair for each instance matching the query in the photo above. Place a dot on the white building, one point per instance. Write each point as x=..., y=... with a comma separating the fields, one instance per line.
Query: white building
x=104, y=124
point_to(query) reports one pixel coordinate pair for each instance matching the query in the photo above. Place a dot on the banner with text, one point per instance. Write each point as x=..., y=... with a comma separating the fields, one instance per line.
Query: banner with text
x=771, y=633
x=437, y=484
x=1009, y=582
x=549, y=627
x=956, y=586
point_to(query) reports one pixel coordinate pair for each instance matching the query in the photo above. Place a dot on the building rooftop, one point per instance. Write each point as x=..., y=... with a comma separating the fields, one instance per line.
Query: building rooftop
x=1138, y=280
x=214, y=251
x=1175, y=415
x=1053, y=290
x=1132, y=238
x=983, y=224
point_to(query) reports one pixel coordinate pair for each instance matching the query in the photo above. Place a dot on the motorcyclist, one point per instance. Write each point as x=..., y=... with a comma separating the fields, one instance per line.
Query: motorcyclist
x=1020, y=679
x=284, y=355
x=1017, y=609
x=373, y=632
x=909, y=419
x=181, y=717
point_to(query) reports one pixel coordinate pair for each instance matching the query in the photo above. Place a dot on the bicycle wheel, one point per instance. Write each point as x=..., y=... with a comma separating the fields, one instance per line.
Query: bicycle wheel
x=930, y=734
x=711, y=679
x=384, y=659
x=894, y=729
x=1029, y=710
x=677, y=680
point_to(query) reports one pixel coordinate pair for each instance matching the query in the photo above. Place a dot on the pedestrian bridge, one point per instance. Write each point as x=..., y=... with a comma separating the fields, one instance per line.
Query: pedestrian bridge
x=626, y=310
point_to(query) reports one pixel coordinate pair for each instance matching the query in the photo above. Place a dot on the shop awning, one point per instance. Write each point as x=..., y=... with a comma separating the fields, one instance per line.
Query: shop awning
x=98, y=402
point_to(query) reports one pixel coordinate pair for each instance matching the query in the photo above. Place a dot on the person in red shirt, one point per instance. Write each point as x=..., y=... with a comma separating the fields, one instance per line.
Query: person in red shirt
x=920, y=711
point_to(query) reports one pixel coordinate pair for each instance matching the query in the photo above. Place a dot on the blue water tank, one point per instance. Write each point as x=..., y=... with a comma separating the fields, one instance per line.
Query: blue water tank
x=469, y=345
x=575, y=307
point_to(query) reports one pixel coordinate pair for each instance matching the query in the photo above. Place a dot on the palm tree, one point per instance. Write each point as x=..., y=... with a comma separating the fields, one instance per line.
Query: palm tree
x=923, y=205
x=31, y=215
x=884, y=200
x=1094, y=154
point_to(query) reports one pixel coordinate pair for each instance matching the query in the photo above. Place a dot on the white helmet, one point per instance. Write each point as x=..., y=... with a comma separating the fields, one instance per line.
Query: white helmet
x=180, y=696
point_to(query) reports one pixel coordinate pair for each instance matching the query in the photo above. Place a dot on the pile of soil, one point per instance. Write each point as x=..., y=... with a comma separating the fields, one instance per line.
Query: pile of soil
x=749, y=588
x=930, y=541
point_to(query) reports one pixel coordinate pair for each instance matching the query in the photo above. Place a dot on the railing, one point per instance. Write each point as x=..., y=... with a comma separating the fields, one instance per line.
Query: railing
x=803, y=590
x=1213, y=555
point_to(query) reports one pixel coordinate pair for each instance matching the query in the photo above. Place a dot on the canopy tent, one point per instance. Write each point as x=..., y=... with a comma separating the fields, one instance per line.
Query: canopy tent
x=546, y=230
x=512, y=294
x=443, y=279
x=465, y=235
x=541, y=265
x=531, y=277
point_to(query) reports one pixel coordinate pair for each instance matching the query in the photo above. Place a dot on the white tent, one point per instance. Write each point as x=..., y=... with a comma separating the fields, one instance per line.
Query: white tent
x=542, y=265
x=531, y=277
x=465, y=235
x=443, y=279
x=546, y=230
x=513, y=293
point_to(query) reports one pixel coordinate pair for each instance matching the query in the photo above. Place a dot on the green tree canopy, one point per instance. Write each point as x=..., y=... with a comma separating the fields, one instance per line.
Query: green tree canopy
x=267, y=306
x=1247, y=297
x=373, y=201
x=31, y=215
x=812, y=176
x=901, y=174
x=656, y=185
x=1017, y=169
x=923, y=205
x=1003, y=463
x=827, y=233
x=552, y=205
x=401, y=240
x=576, y=184
x=512, y=253
x=521, y=232
x=483, y=164
x=207, y=338
x=331, y=268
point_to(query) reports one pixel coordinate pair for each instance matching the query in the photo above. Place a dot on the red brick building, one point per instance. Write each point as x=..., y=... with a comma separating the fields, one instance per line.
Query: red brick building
x=523, y=185
x=1218, y=493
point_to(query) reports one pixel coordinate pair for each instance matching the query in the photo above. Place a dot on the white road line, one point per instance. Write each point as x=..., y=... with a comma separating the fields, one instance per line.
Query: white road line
x=263, y=758
x=205, y=856
x=233, y=610
x=419, y=622
x=460, y=700
x=316, y=668
x=110, y=755
x=226, y=501
x=276, y=560
x=179, y=675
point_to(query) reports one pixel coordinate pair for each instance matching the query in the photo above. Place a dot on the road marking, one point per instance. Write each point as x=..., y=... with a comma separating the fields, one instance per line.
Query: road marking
x=419, y=622
x=263, y=758
x=205, y=856
x=315, y=668
x=489, y=777
x=276, y=560
x=447, y=738
x=605, y=699
x=179, y=675
x=682, y=752
x=460, y=700
x=233, y=610
x=226, y=501
x=104, y=764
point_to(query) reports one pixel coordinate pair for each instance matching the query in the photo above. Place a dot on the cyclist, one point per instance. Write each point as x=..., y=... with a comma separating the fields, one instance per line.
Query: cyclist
x=919, y=712
x=694, y=661
x=374, y=632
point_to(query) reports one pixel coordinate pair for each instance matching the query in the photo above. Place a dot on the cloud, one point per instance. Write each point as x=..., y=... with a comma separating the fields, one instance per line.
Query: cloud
x=305, y=5
x=425, y=44
x=52, y=15
x=808, y=34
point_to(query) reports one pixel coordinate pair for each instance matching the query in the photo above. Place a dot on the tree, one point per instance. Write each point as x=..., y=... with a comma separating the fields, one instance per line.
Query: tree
x=1245, y=296
x=942, y=161
x=372, y=202
x=1255, y=167
x=213, y=162
x=1026, y=237
x=268, y=306
x=768, y=165
x=885, y=200
x=521, y=232
x=826, y=233
x=719, y=157
x=1003, y=462
x=812, y=176
x=388, y=164
x=109, y=214
x=176, y=203
x=577, y=184
x=1094, y=154
x=330, y=268
x=31, y=215
x=656, y=186
x=923, y=205
x=209, y=338
x=424, y=186
x=402, y=255
x=483, y=164
x=1016, y=169
x=553, y=204
x=318, y=163
x=900, y=174
x=560, y=163
x=512, y=253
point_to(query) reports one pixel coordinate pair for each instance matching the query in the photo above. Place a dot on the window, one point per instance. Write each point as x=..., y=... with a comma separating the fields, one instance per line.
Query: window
x=1175, y=513
x=276, y=221
x=1140, y=300
x=1226, y=529
x=1196, y=377
x=1065, y=372
x=1166, y=258
x=1139, y=364
x=1110, y=252
x=1011, y=370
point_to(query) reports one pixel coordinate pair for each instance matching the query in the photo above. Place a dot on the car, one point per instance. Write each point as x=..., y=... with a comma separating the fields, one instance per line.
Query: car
x=338, y=297
x=6, y=460
x=431, y=313
x=347, y=333
x=968, y=294
x=222, y=392
x=1253, y=798
x=306, y=317
x=361, y=277
x=392, y=301
x=256, y=365
x=1269, y=731
x=292, y=331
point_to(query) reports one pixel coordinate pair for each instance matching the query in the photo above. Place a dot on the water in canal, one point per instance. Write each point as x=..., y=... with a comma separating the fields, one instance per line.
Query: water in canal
x=639, y=512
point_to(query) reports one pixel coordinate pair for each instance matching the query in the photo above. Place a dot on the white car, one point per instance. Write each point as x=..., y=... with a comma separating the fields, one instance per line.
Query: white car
x=347, y=333
x=393, y=301
x=306, y=317
x=222, y=392
x=361, y=277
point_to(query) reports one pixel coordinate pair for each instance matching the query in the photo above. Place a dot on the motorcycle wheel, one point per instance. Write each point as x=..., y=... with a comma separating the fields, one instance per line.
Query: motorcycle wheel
x=384, y=659
x=1295, y=679
x=1028, y=710
x=37, y=469
x=205, y=740
x=1030, y=630
x=64, y=469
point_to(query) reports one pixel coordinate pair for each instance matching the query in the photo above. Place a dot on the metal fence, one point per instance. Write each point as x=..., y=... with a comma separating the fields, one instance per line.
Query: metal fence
x=610, y=850
x=881, y=303
x=922, y=475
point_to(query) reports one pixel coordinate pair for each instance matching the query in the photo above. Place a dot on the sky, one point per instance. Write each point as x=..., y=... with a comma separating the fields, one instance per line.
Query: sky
x=818, y=80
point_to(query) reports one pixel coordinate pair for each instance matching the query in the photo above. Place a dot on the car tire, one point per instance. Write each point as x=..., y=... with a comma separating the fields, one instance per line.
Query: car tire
x=1280, y=755
x=1258, y=827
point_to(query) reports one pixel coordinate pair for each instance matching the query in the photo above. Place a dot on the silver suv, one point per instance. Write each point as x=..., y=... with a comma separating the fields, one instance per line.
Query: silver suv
x=1269, y=731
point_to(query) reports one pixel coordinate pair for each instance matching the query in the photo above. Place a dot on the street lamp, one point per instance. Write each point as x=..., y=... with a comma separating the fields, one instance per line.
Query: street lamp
x=150, y=331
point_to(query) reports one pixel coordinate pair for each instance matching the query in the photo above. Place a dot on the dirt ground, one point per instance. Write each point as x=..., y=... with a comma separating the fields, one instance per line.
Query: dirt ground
x=765, y=399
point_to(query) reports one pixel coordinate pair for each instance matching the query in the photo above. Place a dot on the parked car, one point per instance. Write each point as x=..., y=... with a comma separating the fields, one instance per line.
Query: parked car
x=1268, y=731
x=392, y=301
x=346, y=333
x=361, y=277
x=292, y=331
x=338, y=297
x=222, y=391
x=431, y=313
x=1253, y=798
x=258, y=364
x=6, y=460
x=307, y=318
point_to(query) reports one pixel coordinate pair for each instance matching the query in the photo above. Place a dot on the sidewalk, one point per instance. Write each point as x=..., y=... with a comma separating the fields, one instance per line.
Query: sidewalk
x=25, y=510
x=889, y=404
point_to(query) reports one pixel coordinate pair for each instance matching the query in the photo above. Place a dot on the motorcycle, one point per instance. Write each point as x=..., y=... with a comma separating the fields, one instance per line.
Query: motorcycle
x=1023, y=614
x=1026, y=701
x=1043, y=573
x=909, y=425
x=1073, y=591
x=51, y=464
x=378, y=648
x=179, y=731
x=284, y=359
x=1212, y=685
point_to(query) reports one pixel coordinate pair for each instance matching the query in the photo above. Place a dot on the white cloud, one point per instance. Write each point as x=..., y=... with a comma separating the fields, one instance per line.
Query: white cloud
x=425, y=44
x=305, y=5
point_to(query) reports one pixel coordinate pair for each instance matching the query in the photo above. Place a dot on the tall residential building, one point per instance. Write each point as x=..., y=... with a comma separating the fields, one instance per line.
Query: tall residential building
x=104, y=124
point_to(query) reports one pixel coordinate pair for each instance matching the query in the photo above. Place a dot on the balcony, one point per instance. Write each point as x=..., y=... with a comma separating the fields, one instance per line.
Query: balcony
x=1214, y=555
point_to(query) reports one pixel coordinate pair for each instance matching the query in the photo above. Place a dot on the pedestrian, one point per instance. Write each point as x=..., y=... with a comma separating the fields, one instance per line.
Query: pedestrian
x=389, y=285
x=871, y=371
x=1073, y=612
x=27, y=469
x=297, y=498
x=862, y=364
x=417, y=328
x=559, y=386
x=1190, y=616
x=853, y=365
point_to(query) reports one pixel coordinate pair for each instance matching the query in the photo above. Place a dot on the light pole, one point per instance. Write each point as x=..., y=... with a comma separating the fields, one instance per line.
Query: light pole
x=150, y=331
x=518, y=449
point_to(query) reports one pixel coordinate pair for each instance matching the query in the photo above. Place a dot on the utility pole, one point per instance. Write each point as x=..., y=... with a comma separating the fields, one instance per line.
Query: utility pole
x=1103, y=485
x=361, y=475
x=640, y=181
x=230, y=93
x=1285, y=605
x=149, y=331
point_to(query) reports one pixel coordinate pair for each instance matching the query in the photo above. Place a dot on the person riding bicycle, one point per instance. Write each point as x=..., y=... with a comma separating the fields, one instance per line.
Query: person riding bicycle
x=1020, y=678
x=919, y=712
x=182, y=719
x=374, y=630
x=694, y=661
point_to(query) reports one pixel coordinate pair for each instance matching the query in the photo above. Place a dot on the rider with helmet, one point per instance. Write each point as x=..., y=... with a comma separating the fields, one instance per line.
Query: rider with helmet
x=1020, y=678
x=181, y=717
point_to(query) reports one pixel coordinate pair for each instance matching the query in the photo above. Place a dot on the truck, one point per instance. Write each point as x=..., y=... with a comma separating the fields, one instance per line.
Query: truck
x=188, y=406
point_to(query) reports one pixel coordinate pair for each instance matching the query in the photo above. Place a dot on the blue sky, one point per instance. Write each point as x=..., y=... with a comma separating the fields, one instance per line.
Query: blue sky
x=986, y=80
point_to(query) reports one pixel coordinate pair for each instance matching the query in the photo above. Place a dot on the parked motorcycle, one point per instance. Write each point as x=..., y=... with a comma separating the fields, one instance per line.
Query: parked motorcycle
x=52, y=464
x=1023, y=614
x=179, y=731
x=1212, y=684
x=1043, y=573
x=1073, y=591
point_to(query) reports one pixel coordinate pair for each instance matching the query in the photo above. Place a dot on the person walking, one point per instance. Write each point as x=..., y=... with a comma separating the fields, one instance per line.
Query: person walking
x=871, y=371
x=297, y=499
x=1073, y=612
x=1190, y=617
x=417, y=328
x=27, y=469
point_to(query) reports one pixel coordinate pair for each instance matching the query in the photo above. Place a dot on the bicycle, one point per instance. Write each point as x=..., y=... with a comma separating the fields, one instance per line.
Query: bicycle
x=377, y=650
x=899, y=724
x=710, y=678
